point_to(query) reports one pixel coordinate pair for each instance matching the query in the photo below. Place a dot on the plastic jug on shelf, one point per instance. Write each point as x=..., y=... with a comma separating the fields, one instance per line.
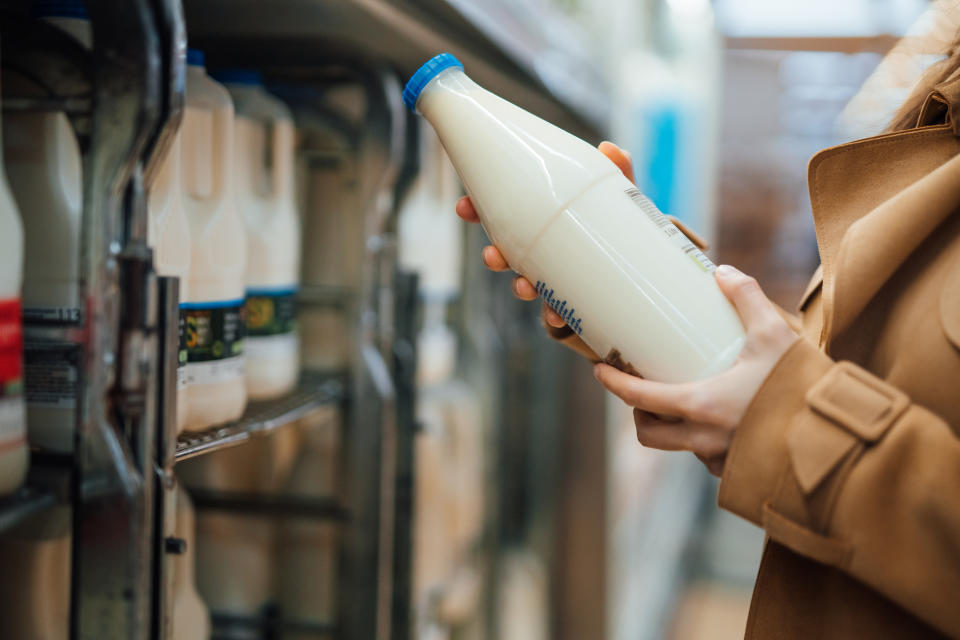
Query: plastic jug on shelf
x=212, y=317
x=43, y=164
x=333, y=234
x=14, y=453
x=35, y=582
x=307, y=548
x=168, y=233
x=264, y=185
x=191, y=619
x=624, y=278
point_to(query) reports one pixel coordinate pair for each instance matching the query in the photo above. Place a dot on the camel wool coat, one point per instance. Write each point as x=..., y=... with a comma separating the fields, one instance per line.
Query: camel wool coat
x=849, y=454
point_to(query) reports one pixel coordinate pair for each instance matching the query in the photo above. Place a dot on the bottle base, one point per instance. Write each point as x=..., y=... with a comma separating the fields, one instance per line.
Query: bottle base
x=213, y=404
x=14, y=462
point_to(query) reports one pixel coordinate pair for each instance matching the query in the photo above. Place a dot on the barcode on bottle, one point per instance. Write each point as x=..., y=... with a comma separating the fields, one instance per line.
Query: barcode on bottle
x=671, y=231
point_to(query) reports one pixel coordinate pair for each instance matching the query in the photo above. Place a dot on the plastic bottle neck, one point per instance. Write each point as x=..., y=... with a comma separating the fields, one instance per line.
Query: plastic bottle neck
x=452, y=80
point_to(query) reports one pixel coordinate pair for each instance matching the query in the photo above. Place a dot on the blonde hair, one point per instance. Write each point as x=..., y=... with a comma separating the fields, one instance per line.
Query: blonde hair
x=908, y=113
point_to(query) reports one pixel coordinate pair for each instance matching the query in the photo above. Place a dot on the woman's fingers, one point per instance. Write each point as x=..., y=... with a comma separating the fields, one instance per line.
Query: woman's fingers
x=655, y=397
x=523, y=289
x=466, y=210
x=553, y=318
x=619, y=157
x=493, y=259
x=747, y=297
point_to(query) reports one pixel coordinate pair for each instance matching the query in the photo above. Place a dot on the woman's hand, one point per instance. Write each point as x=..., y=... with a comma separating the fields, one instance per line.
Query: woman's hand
x=494, y=260
x=702, y=416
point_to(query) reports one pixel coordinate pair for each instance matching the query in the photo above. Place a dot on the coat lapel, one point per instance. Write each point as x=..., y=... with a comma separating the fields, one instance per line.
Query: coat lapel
x=874, y=201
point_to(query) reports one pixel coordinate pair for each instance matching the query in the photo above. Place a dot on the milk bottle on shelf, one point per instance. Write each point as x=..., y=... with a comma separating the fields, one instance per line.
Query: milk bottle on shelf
x=212, y=316
x=191, y=620
x=449, y=445
x=43, y=165
x=333, y=237
x=624, y=278
x=264, y=186
x=307, y=548
x=168, y=233
x=235, y=555
x=14, y=453
x=35, y=581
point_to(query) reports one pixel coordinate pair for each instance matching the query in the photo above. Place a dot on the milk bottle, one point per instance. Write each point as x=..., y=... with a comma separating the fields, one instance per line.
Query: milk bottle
x=235, y=562
x=35, y=581
x=307, y=548
x=191, y=620
x=264, y=186
x=43, y=165
x=624, y=278
x=168, y=233
x=333, y=227
x=212, y=316
x=14, y=453
x=236, y=551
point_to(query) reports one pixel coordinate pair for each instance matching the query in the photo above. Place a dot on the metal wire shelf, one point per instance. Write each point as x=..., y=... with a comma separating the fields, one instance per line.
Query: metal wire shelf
x=313, y=391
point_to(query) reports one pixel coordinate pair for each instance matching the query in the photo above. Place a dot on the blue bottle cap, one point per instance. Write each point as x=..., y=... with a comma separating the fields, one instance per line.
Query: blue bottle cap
x=248, y=77
x=59, y=9
x=430, y=70
x=195, y=57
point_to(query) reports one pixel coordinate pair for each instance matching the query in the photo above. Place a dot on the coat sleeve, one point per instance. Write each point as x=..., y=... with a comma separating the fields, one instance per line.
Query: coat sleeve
x=843, y=468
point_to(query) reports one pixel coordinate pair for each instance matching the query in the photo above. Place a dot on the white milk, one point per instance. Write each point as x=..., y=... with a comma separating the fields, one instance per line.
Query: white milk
x=212, y=316
x=449, y=487
x=235, y=551
x=14, y=454
x=623, y=277
x=333, y=238
x=168, y=233
x=235, y=562
x=307, y=548
x=35, y=581
x=43, y=165
x=191, y=620
x=264, y=186
x=430, y=240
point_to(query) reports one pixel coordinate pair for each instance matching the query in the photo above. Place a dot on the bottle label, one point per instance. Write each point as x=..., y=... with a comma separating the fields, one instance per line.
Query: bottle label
x=57, y=315
x=211, y=342
x=671, y=231
x=554, y=301
x=12, y=422
x=271, y=312
x=271, y=316
x=51, y=373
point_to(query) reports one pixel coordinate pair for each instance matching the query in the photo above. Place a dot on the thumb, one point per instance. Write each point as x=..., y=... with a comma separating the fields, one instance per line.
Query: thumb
x=619, y=157
x=745, y=294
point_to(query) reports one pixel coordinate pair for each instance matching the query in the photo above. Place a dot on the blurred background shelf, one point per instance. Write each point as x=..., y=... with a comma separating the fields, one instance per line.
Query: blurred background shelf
x=270, y=504
x=324, y=296
x=27, y=501
x=229, y=627
x=530, y=58
x=314, y=391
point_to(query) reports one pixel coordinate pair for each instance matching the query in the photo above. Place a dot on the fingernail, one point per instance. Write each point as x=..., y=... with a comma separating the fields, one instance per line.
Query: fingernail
x=725, y=271
x=596, y=371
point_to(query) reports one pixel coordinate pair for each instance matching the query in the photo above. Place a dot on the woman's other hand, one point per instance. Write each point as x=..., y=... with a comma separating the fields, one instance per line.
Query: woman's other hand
x=494, y=260
x=703, y=416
